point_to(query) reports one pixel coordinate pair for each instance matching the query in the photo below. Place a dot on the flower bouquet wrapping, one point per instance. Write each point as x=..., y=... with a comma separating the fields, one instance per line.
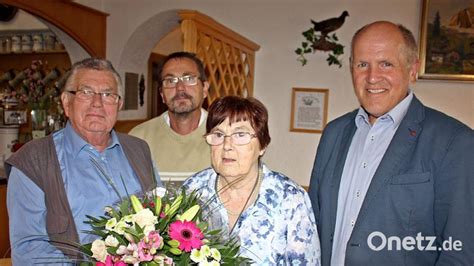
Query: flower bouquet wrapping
x=159, y=228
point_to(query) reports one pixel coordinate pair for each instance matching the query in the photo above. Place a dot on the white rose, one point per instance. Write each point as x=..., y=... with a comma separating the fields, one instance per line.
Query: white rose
x=99, y=251
x=160, y=192
x=147, y=229
x=111, y=241
x=144, y=218
x=122, y=250
x=130, y=259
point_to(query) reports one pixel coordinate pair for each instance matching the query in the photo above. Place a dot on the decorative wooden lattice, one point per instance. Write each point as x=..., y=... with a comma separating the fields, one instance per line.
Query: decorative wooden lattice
x=228, y=57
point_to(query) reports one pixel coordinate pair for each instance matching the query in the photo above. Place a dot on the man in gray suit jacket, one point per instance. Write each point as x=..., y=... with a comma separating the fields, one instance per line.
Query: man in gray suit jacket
x=393, y=182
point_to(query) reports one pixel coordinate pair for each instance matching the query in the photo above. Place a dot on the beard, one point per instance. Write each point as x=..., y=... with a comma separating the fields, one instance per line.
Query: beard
x=182, y=104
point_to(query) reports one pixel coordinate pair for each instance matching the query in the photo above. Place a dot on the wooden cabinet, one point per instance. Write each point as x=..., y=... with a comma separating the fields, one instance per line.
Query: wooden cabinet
x=20, y=61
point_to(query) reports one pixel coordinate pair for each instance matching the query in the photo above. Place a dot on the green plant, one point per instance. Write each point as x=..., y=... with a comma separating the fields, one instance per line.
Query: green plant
x=316, y=41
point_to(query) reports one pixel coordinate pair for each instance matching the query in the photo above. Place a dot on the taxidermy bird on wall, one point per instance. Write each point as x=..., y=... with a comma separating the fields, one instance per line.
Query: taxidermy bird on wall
x=317, y=39
x=329, y=25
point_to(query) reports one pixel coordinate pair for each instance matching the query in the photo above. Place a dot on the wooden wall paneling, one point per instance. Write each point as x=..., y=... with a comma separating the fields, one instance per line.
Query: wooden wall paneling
x=227, y=56
x=85, y=25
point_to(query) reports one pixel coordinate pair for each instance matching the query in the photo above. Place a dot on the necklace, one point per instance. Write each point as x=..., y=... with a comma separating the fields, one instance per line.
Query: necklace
x=250, y=196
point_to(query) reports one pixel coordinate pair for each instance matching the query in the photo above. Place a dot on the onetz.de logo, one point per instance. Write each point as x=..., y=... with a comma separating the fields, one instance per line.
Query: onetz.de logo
x=378, y=241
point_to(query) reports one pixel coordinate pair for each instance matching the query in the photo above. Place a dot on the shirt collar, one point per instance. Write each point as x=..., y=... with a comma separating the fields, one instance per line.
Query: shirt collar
x=76, y=143
x=395, y=115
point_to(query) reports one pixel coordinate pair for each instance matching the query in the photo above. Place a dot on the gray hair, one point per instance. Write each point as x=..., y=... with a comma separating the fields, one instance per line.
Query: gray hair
x=410, y=46
x=95, y=64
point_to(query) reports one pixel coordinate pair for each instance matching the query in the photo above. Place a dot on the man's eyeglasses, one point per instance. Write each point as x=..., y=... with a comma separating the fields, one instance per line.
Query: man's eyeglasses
x=187, y=80
x=88, y=94
x=237, y=138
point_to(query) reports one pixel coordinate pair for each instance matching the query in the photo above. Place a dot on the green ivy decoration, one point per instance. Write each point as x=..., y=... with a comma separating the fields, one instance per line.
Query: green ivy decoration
x=316, y=41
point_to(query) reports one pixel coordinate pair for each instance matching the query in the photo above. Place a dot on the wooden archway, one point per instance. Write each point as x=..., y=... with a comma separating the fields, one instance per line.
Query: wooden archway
x=85, y=25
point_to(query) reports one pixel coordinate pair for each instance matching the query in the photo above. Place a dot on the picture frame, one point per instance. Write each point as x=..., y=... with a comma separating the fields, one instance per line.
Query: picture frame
x=309, y=110
x=446, y=40
x=14, y=117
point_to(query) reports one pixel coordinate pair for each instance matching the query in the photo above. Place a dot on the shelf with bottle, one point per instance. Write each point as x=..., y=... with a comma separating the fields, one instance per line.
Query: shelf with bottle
x=29, y=41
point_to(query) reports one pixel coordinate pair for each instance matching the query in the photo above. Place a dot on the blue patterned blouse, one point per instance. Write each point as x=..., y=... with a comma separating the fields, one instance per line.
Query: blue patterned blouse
x=278, y=229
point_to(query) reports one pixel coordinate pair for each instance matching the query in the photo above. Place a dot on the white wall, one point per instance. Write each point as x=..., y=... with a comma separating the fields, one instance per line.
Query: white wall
x=276, y=25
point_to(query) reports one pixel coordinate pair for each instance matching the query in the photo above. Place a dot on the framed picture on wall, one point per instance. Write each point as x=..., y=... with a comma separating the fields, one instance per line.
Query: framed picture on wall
x=447, y=40
x=14, y=117
x=309, y=110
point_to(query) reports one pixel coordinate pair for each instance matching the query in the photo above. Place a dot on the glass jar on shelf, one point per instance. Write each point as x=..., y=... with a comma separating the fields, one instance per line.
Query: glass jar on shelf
x=16, y=44
x=37, y=43
x=26, y=43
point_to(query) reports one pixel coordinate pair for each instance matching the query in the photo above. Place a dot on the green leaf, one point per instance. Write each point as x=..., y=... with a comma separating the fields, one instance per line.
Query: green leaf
x=298, y=51
x=338, y=50
x=124, y=208
x=309, y=34
x=174, y=206
x=112, y=250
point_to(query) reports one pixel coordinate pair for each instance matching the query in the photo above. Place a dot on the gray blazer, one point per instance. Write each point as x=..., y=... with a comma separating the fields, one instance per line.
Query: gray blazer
x=423, y=186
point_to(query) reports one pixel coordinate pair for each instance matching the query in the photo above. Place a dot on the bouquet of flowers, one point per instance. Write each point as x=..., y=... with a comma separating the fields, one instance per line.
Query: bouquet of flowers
x=159, y=228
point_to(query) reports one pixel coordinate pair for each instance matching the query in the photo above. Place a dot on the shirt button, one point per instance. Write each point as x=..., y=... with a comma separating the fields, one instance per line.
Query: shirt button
x=372, y=138
x=364, y=164
x=352, y=223
x=358, y=193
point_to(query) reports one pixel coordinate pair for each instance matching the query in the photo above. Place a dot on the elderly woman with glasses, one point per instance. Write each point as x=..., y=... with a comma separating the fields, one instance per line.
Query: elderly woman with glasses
x=267, y=211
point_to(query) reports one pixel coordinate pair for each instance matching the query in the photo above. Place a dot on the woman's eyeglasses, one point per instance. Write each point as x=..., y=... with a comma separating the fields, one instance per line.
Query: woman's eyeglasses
x=237, y=138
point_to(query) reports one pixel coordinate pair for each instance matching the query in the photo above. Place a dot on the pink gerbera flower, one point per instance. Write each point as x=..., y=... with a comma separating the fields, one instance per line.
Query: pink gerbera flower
x=188, y=235
x=111, y=261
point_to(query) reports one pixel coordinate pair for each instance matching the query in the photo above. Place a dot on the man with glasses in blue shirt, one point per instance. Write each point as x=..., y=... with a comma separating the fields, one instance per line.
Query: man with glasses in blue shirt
x=175, y=137
x=55, y=181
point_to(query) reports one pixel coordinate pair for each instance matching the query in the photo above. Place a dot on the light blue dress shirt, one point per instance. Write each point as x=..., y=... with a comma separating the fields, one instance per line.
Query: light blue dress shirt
x=87, y=190
x=278, y=229
x=367, y=149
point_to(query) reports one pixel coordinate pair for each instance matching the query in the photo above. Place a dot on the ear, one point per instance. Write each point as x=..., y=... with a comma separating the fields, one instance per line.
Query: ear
x=162, y=96
x=205, y=89
x=120, y=104
x=66, y=101
x=414, y=71
x=262, y=152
